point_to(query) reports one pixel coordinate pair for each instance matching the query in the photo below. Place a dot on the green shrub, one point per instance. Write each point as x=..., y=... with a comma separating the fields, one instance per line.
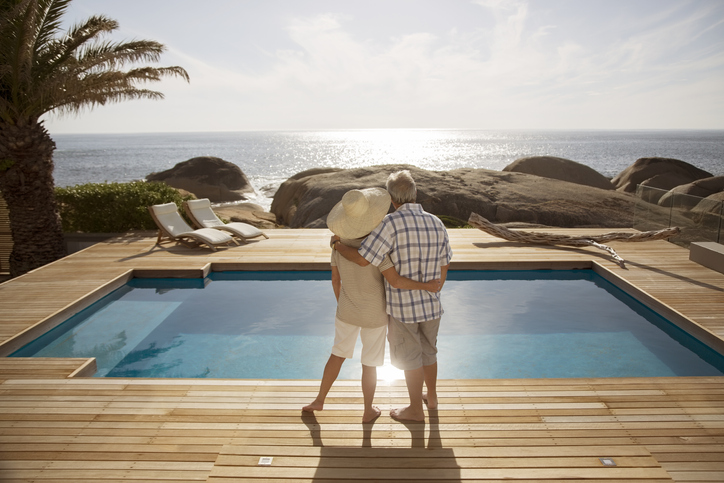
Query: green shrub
x=112, y=207
x=452, y=222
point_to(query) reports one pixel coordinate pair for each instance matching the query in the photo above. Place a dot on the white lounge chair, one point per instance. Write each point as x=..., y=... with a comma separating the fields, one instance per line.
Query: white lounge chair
x=172, y=226
x=201, y=215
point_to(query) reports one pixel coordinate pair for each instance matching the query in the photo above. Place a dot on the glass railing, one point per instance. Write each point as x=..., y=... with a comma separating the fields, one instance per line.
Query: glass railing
x=700, y=219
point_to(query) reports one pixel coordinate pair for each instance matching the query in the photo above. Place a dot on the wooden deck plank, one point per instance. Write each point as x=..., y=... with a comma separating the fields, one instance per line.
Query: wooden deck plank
x=490, y=451
x=56, y=428
x=42, y=368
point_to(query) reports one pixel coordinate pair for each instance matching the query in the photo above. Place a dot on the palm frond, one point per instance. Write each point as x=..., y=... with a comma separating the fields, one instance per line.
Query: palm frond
x=18, y=27
x=51, y=21
x=103, y=87
x=103, y=97
x=80, y=34
x=42, y=70
x=110, y=55
x=58, y=54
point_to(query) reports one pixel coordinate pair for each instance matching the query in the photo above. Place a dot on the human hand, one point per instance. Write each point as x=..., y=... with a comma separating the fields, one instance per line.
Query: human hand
x=332, y=240
x=434, y=286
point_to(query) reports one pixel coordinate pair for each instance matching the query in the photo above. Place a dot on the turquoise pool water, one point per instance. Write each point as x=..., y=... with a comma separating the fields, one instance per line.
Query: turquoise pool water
x=280, y=325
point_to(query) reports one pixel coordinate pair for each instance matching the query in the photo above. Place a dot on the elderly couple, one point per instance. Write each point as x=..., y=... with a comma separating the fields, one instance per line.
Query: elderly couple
x=410, y=249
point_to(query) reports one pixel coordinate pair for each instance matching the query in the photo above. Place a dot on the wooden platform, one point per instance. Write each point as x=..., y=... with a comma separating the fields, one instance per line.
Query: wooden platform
x=72, y=429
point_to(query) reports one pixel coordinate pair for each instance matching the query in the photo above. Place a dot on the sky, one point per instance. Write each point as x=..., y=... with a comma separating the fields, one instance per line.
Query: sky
x=422, y=64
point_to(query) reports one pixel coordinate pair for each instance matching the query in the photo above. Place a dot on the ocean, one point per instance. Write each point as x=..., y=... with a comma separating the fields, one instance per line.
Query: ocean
x=268, y=158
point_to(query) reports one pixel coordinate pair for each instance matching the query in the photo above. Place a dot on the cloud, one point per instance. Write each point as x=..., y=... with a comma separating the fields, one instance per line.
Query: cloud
x=559, y=64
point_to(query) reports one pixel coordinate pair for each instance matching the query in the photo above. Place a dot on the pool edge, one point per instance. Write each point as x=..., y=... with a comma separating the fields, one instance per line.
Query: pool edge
x=692, y=328
x=14, y=343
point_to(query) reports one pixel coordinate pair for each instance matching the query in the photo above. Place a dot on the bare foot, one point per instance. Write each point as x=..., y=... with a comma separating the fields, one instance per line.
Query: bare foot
x=371, y=415
x=431, y=401
x=315, y=406
x=407, y=414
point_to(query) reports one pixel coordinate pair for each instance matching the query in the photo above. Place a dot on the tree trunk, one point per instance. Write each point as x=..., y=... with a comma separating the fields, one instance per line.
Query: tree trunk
x=26, y=183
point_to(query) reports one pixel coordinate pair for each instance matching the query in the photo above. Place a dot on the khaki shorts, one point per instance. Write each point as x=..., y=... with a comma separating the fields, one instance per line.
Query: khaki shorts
x=413, y=345
x=373, y=342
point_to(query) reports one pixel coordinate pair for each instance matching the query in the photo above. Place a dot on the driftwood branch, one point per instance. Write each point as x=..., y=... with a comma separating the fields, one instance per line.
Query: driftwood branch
x=540, y=238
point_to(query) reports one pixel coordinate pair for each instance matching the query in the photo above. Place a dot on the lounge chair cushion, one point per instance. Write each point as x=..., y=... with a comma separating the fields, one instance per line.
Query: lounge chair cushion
x=243, y=229
x=169, y=217
x=203, y=213
x=205, y=216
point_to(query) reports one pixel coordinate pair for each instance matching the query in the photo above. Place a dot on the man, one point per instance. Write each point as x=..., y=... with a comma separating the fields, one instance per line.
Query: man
x=418, y=245
x=360, y=295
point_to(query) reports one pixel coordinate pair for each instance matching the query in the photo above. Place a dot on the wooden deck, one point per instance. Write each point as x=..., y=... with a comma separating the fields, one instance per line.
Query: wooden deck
x=57, y=425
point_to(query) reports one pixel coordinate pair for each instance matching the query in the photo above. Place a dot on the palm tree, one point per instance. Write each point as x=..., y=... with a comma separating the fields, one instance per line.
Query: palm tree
x=43, y=69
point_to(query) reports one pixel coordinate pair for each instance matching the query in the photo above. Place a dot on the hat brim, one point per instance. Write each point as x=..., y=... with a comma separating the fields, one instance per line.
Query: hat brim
x=351, y=227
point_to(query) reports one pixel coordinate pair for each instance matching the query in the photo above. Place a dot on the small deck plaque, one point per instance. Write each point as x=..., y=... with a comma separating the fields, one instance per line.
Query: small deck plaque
x=265, y=461
x=607, y=461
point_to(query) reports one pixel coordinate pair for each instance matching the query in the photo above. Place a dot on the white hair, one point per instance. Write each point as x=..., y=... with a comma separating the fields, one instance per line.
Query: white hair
x=401, y=187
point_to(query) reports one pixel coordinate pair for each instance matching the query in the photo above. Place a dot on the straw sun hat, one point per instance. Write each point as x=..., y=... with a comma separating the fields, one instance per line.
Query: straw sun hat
x=359, y=212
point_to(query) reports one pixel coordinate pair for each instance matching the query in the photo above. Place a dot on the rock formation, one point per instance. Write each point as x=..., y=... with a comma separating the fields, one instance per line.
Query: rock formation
x=502, y=197
x=207, y=177
x=250, y=213
x=711, y=204
x=662, y=173
x=700, y=188
x=560, y=168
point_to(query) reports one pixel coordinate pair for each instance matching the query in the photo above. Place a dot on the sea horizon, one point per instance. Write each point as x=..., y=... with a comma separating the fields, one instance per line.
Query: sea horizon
x=390, y=129
x=269, y=157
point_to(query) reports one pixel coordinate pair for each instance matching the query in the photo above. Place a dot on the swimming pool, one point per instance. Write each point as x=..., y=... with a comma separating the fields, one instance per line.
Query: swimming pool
x=279, y=325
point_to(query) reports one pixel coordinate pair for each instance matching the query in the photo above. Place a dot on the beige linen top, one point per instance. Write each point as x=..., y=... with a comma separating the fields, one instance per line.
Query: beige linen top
x=362, y=295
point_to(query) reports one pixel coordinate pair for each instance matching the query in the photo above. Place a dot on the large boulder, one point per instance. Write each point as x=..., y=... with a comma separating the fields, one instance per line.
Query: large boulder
x=701, y=188
x=207, y=177
x=250, y=213
x=502, y=197
x=560, y=168
x=663, y=181
x=711, y=204
x=662, y=173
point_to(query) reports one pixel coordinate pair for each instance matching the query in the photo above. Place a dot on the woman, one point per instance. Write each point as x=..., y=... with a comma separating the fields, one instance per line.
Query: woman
x=360, y=293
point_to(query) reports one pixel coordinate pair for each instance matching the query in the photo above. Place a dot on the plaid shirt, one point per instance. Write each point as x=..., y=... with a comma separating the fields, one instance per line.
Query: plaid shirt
x=418, y=245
